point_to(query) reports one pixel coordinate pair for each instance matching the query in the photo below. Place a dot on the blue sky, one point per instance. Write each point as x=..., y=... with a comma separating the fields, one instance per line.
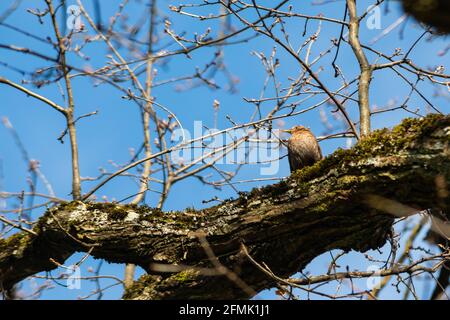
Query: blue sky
x=116, y=128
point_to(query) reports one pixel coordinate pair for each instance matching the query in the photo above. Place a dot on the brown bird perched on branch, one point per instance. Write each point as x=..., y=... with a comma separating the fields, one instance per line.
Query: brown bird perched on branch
x=303, y=148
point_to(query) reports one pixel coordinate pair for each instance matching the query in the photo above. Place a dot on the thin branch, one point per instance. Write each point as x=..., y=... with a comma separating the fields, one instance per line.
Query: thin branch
x=34, y=95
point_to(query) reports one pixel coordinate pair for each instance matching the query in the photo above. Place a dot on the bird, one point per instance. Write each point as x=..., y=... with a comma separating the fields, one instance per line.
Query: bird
x=303, y=148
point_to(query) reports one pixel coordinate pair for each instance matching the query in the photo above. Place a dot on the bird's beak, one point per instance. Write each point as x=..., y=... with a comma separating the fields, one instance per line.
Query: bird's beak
x=287, y=131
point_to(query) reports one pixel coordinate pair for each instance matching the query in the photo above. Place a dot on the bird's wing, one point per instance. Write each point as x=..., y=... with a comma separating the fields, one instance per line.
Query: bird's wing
x=320, y=151
x=291, y=161
x=295, y=159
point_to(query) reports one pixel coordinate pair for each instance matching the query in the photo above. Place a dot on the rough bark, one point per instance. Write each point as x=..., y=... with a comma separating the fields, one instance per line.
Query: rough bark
x=286, y=225
x=434, y=13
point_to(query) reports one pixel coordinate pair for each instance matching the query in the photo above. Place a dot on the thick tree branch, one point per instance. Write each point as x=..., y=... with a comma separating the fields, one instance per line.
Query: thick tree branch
x=285, y=226
x=434, y=13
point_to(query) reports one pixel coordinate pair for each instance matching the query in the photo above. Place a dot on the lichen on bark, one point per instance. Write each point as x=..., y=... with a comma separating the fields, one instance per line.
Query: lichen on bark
x=285, y=225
